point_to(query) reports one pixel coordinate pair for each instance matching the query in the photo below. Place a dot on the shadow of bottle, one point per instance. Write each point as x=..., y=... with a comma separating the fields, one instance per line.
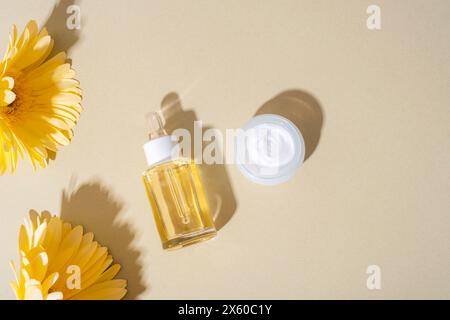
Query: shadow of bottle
x=94, y=207
x=56, y=25
x=215, y=177
x=303, y=110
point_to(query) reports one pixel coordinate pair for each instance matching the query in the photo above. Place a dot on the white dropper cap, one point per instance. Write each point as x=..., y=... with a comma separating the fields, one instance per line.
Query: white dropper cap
x=161, y=146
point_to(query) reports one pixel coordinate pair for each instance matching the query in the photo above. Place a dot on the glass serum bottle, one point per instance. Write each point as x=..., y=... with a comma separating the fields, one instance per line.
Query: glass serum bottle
x=175, y=191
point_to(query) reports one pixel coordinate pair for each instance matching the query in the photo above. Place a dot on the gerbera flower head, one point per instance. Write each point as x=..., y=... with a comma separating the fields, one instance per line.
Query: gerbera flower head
x=58, y=261
x=39, y=99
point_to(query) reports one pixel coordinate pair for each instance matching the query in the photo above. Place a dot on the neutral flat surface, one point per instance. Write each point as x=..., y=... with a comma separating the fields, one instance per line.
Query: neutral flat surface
x=375, y=189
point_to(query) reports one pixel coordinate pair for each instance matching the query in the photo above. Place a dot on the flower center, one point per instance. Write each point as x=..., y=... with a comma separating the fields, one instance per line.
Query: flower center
x=21, y=104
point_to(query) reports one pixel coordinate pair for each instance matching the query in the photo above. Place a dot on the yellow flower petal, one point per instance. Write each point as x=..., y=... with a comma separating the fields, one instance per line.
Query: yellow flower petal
x=110, y=273
x=39, y=99
x=6, y=83
x=55, y=296
x=50, y=281
x=103, y=294
x=68, y=247
x=6, y=97
x=49, y=245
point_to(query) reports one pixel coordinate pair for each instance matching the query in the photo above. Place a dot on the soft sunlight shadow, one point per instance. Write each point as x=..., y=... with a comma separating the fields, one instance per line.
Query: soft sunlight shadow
x=65, y=39
x=218, y=189
x=304, y=110
x=94, y=207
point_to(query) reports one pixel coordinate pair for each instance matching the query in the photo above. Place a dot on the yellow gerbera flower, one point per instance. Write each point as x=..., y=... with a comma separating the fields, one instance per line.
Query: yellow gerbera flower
x=39, y=99
x=58, y=261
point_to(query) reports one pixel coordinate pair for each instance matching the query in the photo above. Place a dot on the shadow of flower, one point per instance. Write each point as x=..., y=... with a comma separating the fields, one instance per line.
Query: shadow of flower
x=56, y=26
x=97, y=210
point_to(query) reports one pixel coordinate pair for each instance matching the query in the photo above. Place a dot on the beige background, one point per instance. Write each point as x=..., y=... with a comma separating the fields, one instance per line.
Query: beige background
x=374, y=107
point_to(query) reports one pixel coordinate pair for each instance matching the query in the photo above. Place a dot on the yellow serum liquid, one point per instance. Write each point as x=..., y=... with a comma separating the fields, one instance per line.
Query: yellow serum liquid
x=179, y=204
